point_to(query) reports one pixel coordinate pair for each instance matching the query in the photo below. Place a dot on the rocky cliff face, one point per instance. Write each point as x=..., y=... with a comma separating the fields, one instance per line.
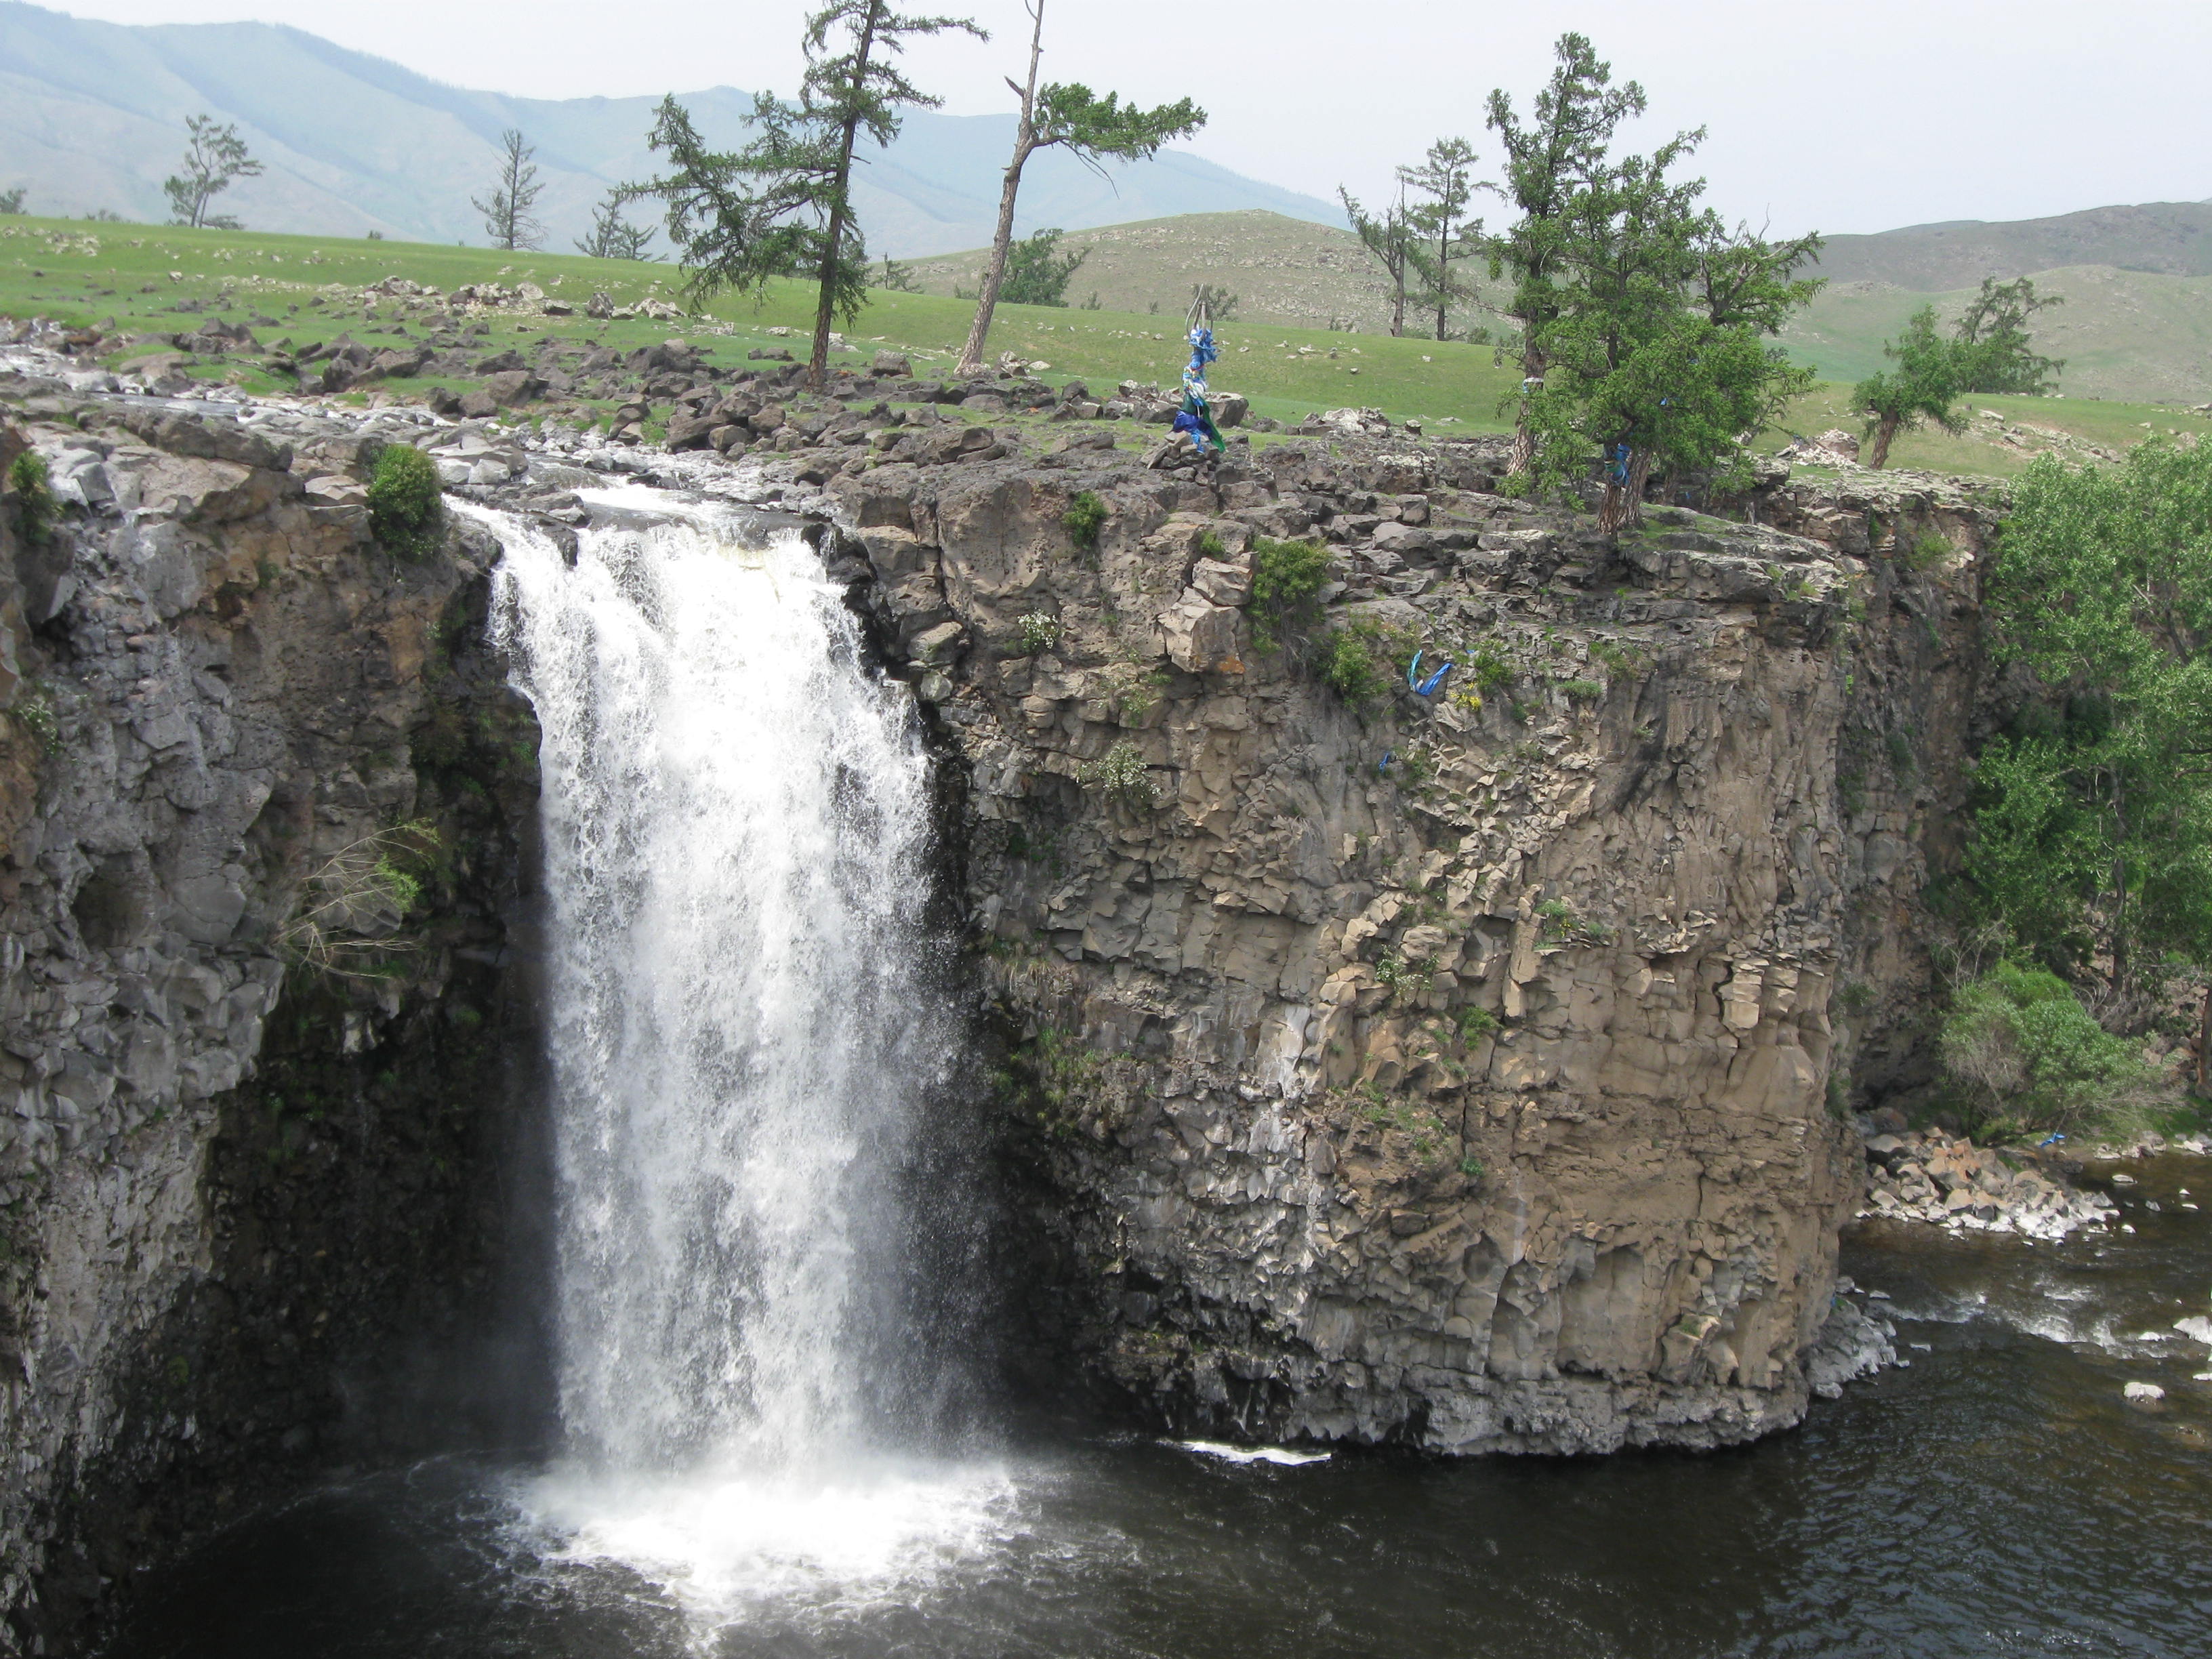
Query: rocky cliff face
x=1460, y=1070
x=240, y=1196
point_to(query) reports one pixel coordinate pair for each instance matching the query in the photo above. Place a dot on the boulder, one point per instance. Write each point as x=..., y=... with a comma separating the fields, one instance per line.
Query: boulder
x=515, y=386
x=891, y=363
x=599, y=307
x=1230, y=409
x=1200, y=636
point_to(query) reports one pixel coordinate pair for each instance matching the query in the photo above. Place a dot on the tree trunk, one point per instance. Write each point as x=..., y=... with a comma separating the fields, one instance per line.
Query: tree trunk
x=1444, y=282
x=1522, y=457
x=2204, y=1040
x=817, y=368
x=1883, y=435
x=1398, y=298
x=1623, y=506
x=987, y=296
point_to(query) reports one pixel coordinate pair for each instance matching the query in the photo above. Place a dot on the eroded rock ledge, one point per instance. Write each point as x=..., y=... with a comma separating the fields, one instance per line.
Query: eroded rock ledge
x=247, y=1235
x=1459, y=1071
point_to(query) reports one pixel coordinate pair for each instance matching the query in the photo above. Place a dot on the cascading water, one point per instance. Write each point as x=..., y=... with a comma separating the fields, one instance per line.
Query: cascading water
x=743, y=1041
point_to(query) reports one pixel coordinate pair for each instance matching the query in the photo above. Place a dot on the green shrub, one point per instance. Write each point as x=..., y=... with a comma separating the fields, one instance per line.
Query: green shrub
x=34, y=713
x=1923, y=552
x=1040, y=632
x=1288, y=578
x=1084, y=517
x=406, y=510
x=1477, y=1025
x=1492, y=671
x=1122, y=774
x=1350, y=667
x=35, y=509
x=1471, y=1167
x=1582, y=691
x=2018, y=1043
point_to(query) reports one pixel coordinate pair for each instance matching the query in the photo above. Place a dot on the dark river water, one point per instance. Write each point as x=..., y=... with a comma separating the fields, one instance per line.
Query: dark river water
x=1997, y=1495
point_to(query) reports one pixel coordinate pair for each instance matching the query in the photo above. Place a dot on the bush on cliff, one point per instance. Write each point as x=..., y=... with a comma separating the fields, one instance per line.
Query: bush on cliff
x=406, y=510
x=1288, y=578
x=35, y=495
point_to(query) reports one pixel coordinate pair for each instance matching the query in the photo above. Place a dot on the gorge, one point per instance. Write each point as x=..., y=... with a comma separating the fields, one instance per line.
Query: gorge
x=893, y=981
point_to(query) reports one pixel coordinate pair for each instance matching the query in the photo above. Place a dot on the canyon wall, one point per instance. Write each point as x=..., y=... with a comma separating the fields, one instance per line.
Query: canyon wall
x=255, y=1086
x=1462, y=1070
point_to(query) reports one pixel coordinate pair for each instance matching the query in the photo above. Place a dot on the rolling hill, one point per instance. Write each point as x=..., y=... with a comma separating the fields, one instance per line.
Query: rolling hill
x=92, y=118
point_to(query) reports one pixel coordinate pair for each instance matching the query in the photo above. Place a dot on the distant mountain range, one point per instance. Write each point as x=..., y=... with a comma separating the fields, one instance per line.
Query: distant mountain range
x=92, y=116
x=2165, y=238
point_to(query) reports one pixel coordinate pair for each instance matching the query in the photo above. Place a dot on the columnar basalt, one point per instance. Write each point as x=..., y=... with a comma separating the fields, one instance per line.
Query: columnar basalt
x=235, y=1187
x=1451, y=1070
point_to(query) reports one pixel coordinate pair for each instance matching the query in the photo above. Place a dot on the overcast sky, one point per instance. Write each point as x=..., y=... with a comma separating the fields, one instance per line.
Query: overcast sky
x=1839, y=118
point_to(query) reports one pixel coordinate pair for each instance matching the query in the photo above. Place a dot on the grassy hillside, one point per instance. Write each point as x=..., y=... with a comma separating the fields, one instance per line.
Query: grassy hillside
x=308, y=290
x=1281, y=270
x=2122, y=334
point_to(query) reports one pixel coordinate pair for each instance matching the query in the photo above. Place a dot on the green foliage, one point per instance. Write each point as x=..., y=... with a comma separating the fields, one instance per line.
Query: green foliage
x=1491, y=670
x=897, y=277
x=1084, y=517
x=1396, y=245
x=214, y=158
x=1351, y=668
x=34, y=713
x=1288, y=578
x=614, y=237
x=1040, y=632
x=2092, y=836
x=406, y=509
x=2018, y=1041
x=353, y=904
x=1643, y=316
x=1477, y=1025
x=1402, y=980
x=1931, y=372
x=1856, y=997
x=1065, y=116
x=1923, y=552
x=11, y=201
x=1037, y=273
x=35, y=508
x=1994, y=332
x=1121, y=772
x=1471, y=1167
x=1445, y=178
x=1581, y=690
x=1546, y=158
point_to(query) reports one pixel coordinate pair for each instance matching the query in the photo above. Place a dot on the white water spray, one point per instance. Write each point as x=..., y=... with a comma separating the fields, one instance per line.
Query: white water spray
x=741, y=1040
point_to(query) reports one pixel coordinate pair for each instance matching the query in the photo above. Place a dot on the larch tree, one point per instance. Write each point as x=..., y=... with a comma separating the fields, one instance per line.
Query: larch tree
x=1558, y=152
x=1446, y=177
x=214, y=157
x=846, y=93
x=507, y=210
x=1092, y=128
x=614, y=237
x=742, y=217
x=1994, y=330
x=1395, y=242
x=1931, y=372
x=1658, y=354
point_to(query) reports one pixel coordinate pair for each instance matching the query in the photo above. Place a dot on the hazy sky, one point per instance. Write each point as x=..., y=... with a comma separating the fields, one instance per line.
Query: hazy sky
x=1839, y=118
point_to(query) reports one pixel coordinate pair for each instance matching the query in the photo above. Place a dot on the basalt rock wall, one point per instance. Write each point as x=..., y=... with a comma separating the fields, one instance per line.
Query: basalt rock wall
x=251, y=1175
x=1464, y=1070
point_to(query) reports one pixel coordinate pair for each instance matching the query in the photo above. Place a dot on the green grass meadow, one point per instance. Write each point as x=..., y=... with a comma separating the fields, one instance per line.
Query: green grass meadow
x=85, y=273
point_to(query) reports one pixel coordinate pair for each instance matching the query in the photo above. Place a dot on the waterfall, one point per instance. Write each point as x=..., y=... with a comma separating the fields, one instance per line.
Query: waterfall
x=743, y=1036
